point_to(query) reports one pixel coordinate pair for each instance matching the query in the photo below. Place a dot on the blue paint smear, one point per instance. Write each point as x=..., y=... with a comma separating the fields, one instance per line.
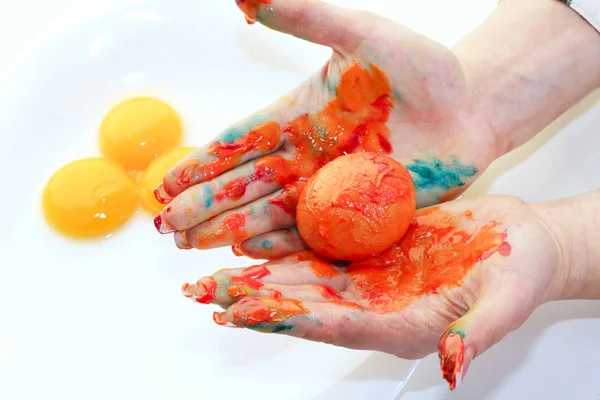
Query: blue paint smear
x=267, y=245
x=433, y=177
x=208, y=196
x=272, y=328
x=236, y=131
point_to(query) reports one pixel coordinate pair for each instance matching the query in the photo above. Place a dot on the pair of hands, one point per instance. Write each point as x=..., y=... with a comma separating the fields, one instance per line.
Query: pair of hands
x=467, y=272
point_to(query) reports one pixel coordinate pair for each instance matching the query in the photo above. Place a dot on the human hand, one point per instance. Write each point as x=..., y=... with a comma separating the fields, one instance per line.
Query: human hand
x=385, y=89
x=466, y=273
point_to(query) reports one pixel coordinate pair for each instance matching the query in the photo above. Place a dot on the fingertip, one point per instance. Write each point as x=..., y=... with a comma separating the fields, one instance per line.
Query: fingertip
x=162, y=226
x=181, y=241
x=161, y=195
x=451, y=352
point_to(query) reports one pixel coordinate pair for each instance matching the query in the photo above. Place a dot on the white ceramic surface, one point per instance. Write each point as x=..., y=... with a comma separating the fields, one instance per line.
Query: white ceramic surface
x=106, y=320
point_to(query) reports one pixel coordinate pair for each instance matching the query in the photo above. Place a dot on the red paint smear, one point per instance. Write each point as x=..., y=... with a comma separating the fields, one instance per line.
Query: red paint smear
x=330, y=293
x=237, y=250
x=249, y=277
x=189, y=172
x=353, y=121
x=287, y=200
x=276, y=294
x=251, y=311
x=250, y=8
x=451, y=351
x=210, y=285
x=435, y=252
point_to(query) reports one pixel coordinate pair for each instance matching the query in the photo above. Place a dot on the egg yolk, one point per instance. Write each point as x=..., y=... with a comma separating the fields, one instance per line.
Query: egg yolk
x=154, y=175
x=89, y=197
x=137, y=130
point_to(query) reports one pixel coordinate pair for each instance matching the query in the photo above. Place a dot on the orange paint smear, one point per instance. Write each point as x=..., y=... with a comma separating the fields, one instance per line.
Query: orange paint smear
x=250, y=8
x=353, y=121
x=251, y=311
x=330, y=293
x=451, y=352
x=321, y=267
x=230, y=229
x=435, y=252
x=189, y=172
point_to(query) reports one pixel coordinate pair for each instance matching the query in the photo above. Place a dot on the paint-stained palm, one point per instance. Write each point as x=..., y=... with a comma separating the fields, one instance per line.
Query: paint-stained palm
x=385, y=89
x=466, y=274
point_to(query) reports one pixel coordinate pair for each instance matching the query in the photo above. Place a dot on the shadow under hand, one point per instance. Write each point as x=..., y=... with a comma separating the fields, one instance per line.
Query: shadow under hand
x=490, y=371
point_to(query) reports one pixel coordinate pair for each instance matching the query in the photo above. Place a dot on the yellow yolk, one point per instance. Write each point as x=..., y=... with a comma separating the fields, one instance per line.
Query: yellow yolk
x=89, y=197
x=138, y=130
x=154, y=175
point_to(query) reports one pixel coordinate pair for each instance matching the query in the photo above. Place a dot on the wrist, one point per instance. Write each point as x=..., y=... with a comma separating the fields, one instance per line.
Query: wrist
x=574, y=223
x=525, y=65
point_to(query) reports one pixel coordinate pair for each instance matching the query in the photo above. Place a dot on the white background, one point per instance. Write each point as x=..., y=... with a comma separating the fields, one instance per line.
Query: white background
x=554, y=355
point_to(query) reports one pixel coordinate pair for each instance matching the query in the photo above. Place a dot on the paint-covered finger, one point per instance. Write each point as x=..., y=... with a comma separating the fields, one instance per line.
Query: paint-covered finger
x=340, y=323
x=262, y=216
x=487, y=322
x=181, y=242
x=233, y=189
x=253, y=137
x=271, y=245
x=311, y=20
x=225, y=290
x=298, y=269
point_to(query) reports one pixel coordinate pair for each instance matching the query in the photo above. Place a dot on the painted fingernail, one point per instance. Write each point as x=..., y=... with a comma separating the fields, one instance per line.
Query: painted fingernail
x=465, y=367
x=237, y=250
x=161, y=195
x=181, y=240
x=162, y=226
x=219, y=318
x=451, y=352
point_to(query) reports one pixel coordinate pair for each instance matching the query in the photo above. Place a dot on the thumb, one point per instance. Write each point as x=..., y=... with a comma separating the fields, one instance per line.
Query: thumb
x=311, y=20
x=487, y=322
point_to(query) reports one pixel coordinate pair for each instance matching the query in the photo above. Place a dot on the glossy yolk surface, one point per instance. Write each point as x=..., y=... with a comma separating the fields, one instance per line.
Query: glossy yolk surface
x=89, y=197
x=138, y=130
x=154, y=175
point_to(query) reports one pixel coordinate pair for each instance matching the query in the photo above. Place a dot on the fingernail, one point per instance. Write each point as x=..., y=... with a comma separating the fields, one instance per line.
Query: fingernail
x=161, y=195
x=181, y=240
x=162, y=226
x=451, y=351
x=465, y=366
x=237, y=250
x=184, y=290
x=219, y=318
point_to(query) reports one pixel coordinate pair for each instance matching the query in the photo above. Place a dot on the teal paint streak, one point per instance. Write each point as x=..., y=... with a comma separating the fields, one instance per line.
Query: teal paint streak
x=457, y=331
x=267, y=245
x=272, y=328
x=209, y=196
x=433, y=177
x=239, y=129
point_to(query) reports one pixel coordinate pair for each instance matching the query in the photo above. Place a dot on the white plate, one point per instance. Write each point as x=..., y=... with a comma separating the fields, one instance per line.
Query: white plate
x=106, y=320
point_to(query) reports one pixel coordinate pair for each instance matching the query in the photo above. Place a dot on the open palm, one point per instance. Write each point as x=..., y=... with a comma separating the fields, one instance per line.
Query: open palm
x=385, y=89
x=465, y=274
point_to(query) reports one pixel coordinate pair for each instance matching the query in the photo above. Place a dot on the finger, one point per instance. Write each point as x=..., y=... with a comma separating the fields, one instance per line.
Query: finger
x=225, y=291
x=271, y=213
x=233, y=189
x=340, y=323
x=311, y=20
x=271, y=245
x=487, y=322
x=255, y=136
x=299, y=269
